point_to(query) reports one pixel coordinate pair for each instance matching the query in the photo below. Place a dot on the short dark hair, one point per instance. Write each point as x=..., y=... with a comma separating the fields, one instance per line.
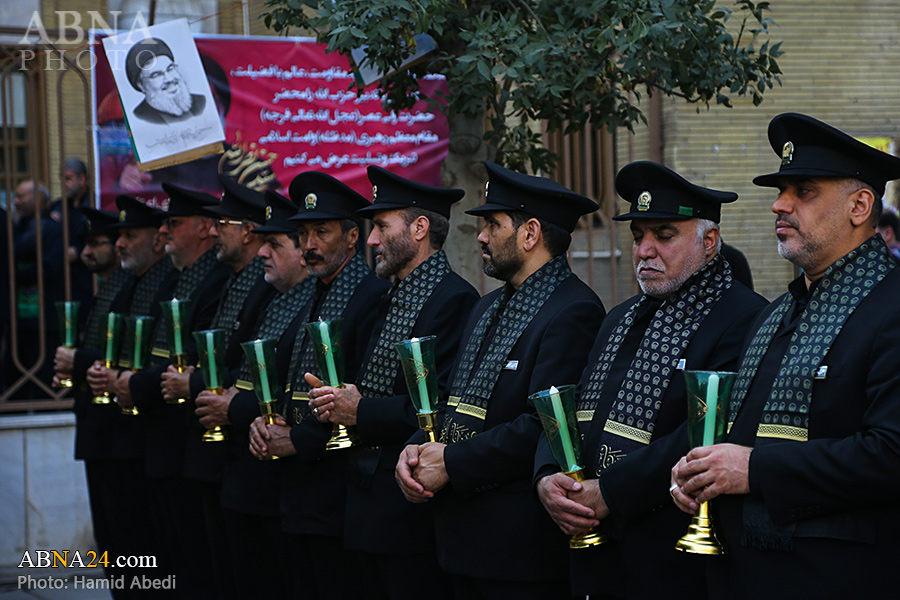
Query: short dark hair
x=851, y=186
x=889, y=219
x=439, y=225
x=556, y=239
x=294, y=237
x=347, y=225
x=76, y=165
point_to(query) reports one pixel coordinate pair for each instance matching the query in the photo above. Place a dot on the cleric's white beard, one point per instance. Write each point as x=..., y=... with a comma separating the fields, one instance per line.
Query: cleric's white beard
x=176, y=104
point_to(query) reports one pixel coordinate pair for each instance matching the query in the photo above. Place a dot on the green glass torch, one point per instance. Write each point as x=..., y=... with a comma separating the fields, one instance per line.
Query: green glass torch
x=326, y=338
x=112, y=341
x=557, y=410
x=211, y=349
x=708, y=397
x=263, y=373
x=417, y=358
x=67, y=313
x=175, y=312
x=138, y=335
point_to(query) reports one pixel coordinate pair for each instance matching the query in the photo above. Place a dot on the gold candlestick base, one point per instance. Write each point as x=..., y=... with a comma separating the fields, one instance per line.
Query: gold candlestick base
x=701, y=536
x=341, y=438
x=217, y=433
x=66, y=382
x=104, y=397
x=180, y=364
x=131, y=411
x=591, y=537
x=428, y=422
x=268, y=412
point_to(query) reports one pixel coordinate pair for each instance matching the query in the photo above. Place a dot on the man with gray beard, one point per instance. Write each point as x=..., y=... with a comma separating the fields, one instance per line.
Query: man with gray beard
x=151, y=69
x=691, y=315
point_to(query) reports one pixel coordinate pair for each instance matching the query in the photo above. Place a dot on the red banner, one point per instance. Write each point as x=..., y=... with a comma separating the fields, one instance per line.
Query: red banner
x=288, y=107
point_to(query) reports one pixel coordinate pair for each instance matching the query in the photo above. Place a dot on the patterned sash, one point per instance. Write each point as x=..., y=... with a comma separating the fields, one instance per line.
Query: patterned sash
x=95, y=331
x=188, y=281
x=407, y=299
x=633, y=414
x=303, y=359
x=279, y=315
x=236, y=294
x=845, y=284
x=473, y=384
x=147, y=286
x=143, y=296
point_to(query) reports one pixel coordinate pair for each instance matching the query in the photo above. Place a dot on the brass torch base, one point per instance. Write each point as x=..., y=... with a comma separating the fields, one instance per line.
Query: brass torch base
x=216, y=434
x=66, y=382
x=103, y=398
x=180, y=365
x=341, y=438
x=591, y=537
x=701, y=536
x=131, y=412
x=428, y=422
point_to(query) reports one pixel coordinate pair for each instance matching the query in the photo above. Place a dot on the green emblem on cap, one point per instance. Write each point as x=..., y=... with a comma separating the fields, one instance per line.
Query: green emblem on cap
x=310, y=201
x=268, y=212
x=374, y=192
x=787, y=153
x=685, y=211
x=122, y=216
x=643, y=202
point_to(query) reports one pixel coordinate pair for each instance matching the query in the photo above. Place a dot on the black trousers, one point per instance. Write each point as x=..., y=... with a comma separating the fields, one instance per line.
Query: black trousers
x=404, y=577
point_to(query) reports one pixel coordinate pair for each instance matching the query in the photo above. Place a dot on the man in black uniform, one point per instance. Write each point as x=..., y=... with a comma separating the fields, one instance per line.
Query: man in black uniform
x=176, y=501
x=534, y=332
x=142, y=252
x=315, y=480
x=95, y=422
x=410, y=223
x=250, y=488
x=634, y=427
x=244, y=296
x=807, y=489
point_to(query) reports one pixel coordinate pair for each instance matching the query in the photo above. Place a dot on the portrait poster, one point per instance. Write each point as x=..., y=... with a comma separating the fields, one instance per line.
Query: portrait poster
x=168, y=106
x=287, y=106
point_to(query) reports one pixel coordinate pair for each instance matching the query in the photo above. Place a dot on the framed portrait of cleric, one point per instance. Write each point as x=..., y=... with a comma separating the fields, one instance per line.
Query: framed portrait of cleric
x=166, y=100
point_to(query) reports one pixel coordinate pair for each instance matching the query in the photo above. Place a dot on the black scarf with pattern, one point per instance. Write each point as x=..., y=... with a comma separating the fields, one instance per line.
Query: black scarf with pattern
x=408, y=296
x=473, y=383
x=303, y=358
x=279, y=315
x=633, y=413
x=238, y=289
x=188, y=281
x=95, y=331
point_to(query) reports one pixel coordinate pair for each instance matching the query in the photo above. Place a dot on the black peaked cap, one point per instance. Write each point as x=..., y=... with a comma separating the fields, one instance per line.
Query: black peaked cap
x=278, y=213
x=540, y=197
x=239, y=202
x=134, y=213
x=184, y=202
x=321, y=197
x=658, y=192
x=390, y=191
x=810, y=148
x=99, y=222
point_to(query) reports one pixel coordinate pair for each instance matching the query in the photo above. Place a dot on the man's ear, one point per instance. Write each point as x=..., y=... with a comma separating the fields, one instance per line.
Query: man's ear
x=862, y=202
x=419, y=228
x=530, y=234
x=710, y=241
